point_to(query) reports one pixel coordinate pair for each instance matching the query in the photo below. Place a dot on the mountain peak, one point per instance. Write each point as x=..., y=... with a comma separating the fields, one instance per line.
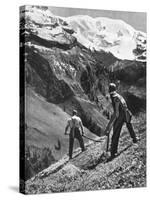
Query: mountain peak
x=111, y=35
x=100, y=33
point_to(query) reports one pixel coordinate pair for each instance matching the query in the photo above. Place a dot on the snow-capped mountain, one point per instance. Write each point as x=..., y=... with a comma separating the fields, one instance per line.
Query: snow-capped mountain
x=111, y=35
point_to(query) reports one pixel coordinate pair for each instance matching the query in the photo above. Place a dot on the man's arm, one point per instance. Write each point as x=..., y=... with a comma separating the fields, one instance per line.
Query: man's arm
x=113, y=118
x=116, y=108
x=81, y=125
x=66, y=129
x=110, y=124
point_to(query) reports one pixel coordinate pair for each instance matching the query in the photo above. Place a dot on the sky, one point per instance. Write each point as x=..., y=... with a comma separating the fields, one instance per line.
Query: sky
x=135, y=19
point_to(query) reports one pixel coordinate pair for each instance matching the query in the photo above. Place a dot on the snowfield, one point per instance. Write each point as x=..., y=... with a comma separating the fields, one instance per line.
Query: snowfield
x=111, y=35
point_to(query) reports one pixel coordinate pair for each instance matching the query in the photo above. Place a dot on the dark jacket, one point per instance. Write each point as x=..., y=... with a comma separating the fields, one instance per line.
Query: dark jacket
x=123, y=108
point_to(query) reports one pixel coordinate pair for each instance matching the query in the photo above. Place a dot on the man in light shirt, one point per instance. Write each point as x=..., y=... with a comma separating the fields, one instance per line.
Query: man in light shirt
x=76, y=126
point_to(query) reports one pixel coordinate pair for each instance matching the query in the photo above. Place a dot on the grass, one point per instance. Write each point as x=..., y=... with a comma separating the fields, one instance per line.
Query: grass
x=127, y=170
x=46, y=124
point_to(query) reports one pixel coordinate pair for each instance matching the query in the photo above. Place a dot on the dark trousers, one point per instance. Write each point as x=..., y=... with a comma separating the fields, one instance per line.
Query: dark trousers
x=75, y=134
x=116, y=132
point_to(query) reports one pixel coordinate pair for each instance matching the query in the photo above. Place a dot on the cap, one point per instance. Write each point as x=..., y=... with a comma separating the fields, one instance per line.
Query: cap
x=112, y=87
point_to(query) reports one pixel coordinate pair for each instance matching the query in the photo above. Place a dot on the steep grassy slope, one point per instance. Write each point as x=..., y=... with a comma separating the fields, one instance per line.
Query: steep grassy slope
x=45, y=124
x=89, y=171
x=45, y=142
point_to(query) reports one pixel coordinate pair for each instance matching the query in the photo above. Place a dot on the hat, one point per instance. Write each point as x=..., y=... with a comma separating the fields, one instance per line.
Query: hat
x=112, y=87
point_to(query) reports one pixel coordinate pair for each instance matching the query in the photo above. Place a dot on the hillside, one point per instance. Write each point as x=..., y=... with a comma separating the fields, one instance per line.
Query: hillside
x=91, y=171
x=45, y=141
x=62, y=74
x=42, y=128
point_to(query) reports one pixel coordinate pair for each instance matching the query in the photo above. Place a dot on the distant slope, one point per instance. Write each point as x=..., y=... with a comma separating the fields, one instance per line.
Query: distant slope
x=46, y=123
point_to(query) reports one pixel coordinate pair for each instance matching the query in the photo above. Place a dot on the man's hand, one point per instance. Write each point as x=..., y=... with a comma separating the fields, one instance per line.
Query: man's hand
x=66, y=129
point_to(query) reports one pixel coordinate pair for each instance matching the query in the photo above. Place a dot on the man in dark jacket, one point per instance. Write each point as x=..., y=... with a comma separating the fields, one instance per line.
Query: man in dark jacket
x=76, y=126
x=121, y=114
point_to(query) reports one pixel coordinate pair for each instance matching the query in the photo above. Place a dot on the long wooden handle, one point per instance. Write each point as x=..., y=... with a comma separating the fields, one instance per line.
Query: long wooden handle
x=107, y=147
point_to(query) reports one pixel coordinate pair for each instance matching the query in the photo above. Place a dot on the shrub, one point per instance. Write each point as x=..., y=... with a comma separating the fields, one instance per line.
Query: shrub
x=37, y=159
